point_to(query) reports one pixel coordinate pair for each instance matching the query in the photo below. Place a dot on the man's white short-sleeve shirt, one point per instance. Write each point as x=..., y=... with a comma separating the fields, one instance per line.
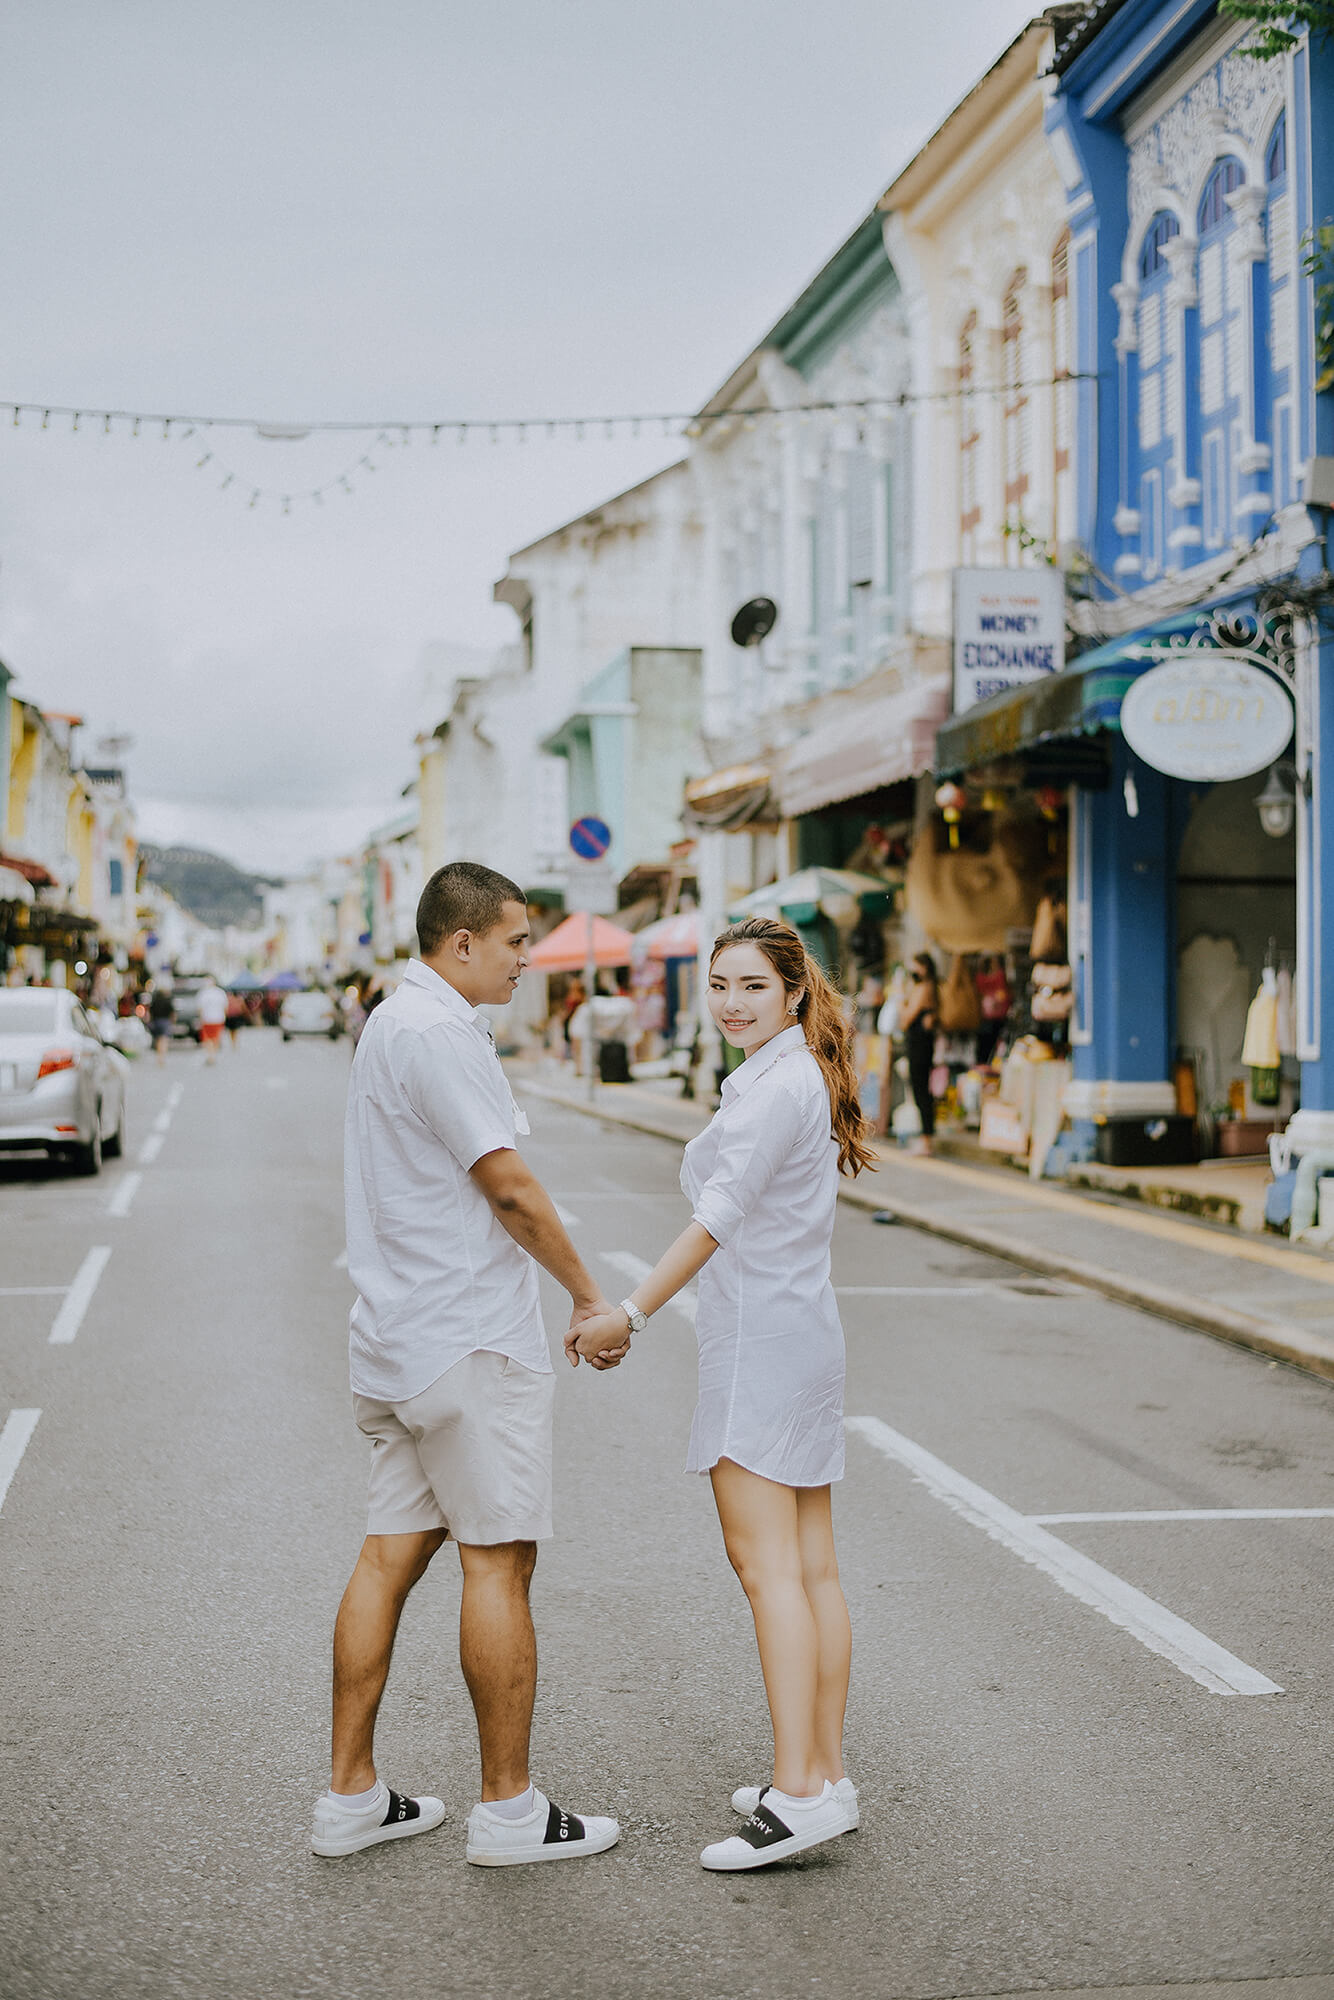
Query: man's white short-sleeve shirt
x=437, y=1276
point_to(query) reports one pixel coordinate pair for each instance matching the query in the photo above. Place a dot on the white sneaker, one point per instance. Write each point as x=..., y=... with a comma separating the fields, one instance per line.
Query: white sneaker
x=747, y=1797
x=390, y=1816
x=544, y=1834
x=768, y=1836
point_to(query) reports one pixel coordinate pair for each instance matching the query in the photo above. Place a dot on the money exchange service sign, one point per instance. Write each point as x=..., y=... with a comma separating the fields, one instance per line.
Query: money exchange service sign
x=1009, y=627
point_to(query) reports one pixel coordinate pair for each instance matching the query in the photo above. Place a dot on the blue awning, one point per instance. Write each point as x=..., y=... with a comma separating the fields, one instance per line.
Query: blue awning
x=1085, y=700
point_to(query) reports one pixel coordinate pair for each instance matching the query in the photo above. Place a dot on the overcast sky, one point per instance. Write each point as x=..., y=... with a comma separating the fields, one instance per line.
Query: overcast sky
x=301, y=209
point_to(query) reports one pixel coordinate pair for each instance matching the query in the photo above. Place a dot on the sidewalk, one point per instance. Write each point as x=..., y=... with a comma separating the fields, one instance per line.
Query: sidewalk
x=1253, y=1292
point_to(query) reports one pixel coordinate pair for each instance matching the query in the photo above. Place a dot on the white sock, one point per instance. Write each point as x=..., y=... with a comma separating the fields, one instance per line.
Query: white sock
x=518, y=1808
x=357, y=1801
x=773, y=1797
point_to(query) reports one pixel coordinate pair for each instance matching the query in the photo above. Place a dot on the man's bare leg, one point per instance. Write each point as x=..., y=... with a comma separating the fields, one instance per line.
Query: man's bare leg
x=498, y=1653
x=387, y=1568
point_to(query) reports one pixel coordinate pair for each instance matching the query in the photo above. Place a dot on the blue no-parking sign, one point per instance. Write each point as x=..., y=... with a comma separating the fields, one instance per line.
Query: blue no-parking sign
x=590, y=838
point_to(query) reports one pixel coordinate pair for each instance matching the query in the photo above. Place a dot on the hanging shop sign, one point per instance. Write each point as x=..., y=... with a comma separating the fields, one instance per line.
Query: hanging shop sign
x=1209, y=716
x=1009, y=628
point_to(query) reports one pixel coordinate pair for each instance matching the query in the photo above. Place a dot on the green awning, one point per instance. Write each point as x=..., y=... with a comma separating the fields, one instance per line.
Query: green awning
x=1086, y=699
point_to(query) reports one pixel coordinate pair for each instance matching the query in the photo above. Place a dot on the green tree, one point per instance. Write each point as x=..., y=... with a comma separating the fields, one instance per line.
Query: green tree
x=1278, y=23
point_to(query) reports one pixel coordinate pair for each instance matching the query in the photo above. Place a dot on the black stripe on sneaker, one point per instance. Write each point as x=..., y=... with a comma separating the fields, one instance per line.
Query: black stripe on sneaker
x=561, y=1826
x=400, y=1809
x=764, y=1828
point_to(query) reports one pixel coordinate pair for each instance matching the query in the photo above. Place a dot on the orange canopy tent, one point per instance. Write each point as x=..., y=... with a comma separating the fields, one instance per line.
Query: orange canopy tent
x=566, y=948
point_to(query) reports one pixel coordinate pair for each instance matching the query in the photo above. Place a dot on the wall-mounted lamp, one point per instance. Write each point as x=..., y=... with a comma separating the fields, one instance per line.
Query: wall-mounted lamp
x=1277, y=802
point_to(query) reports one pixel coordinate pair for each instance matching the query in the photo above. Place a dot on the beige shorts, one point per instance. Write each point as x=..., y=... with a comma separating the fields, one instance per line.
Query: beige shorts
x=471, y=1454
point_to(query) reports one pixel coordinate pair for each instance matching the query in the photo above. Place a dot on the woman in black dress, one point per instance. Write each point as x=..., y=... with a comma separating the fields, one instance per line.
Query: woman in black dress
x=921, y=1018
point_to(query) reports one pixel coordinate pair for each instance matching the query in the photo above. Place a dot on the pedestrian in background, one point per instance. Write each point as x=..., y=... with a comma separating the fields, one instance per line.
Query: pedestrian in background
x=212, y=1019
x=451, y=1375
x=762, y=1180
x=919, y=1020
x=161, y=1018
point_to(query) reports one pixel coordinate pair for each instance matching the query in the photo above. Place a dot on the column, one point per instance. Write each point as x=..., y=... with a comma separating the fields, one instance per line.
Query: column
x=1122, y=917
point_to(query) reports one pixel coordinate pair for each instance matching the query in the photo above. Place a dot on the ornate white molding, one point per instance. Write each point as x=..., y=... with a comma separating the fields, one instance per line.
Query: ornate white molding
x=1126, y=295
x=1247, y=203
x=1126, y=521
x=1180, y=258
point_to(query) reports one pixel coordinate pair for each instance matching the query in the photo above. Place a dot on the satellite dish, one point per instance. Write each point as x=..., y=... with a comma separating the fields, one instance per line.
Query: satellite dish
x=754, y=621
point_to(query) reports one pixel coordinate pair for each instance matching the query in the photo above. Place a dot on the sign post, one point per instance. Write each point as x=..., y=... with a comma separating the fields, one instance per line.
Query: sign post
x=592, y=883
x=1009, y=627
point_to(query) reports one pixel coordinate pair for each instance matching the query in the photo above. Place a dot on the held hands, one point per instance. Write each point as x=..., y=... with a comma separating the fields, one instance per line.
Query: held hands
x=598, y=1335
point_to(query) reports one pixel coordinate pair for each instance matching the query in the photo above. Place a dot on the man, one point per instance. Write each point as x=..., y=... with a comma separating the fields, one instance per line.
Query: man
x=212, y=1016
x=451, y=1377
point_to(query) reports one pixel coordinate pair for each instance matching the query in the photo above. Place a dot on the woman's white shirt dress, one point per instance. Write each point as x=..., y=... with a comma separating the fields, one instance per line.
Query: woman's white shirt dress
x=762, y=1178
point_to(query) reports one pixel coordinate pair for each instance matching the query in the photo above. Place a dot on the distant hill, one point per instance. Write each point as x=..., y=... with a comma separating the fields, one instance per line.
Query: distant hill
x=210, y=888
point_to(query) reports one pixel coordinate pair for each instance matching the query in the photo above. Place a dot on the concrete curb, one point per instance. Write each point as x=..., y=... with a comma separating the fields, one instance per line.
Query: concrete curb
x=1274, y=1338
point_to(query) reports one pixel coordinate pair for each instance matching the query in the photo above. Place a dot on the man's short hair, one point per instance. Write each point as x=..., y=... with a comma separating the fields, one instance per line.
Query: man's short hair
x=462, y=896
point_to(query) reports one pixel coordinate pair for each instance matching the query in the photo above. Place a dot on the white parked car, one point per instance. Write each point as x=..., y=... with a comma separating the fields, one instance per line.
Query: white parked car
x=61, y=1087
x=309, y=1013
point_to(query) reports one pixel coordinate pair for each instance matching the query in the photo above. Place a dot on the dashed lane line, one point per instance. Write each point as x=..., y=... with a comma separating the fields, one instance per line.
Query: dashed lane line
x=150, y=1149
x=126, y=1190
x=19, y=1427
x=340, y=1261
x=174, y=1095
x=79, y=1296
x=635, y=1268
x=1155, y=1627
x=162, y=1123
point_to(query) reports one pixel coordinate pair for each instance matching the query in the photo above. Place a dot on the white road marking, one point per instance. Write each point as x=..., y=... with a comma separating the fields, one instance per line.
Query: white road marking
x=1146, y=1620
x=174, y=1095
x=162, y=1123
x=566, y=1220
x=340, y=1261
x=150, y=1149
x=79, y=1296
x=634, y=1268
x=19, y=1427
x=119, y=1203
x=1199, y=1514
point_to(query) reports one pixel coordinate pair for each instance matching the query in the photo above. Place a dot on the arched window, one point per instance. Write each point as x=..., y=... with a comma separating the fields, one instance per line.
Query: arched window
x=1016, y=411
x=970, y=442
x=1062, y=356
x=1223, y=339
x=1158, y=364
x=1281, y=346
x=1159, y=233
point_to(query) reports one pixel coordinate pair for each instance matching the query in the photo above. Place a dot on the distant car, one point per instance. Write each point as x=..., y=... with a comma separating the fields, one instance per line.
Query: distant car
x=61, y=1087
x=185, y=1006
x=309, y=1013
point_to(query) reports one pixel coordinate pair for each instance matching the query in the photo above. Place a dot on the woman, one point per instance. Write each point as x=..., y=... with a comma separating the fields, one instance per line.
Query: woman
x=919, y=1020
x=762, y=1180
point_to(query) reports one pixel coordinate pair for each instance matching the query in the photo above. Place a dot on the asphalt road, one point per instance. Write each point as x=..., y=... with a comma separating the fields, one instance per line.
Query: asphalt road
x=1052, y=1796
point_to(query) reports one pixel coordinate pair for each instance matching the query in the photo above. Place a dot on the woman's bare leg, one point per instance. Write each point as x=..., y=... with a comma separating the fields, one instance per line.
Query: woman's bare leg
x=759, y=1523
x=824, y=1594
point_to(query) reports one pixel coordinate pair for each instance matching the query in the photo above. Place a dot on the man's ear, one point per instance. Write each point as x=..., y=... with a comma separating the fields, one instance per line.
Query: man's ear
x=461, y=944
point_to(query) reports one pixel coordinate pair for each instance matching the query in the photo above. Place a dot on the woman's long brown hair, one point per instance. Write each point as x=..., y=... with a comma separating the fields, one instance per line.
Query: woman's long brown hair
x=820, y=1013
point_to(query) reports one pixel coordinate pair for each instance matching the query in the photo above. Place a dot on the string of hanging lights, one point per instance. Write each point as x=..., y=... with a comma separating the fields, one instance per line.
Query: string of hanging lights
x=183, y=426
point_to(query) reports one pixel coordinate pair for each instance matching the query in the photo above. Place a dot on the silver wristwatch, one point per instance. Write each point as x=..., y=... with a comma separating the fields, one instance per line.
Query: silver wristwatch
x=638, y=1320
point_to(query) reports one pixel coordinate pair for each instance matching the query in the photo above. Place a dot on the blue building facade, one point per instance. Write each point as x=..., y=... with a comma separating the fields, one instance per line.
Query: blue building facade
x=1193, y=174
